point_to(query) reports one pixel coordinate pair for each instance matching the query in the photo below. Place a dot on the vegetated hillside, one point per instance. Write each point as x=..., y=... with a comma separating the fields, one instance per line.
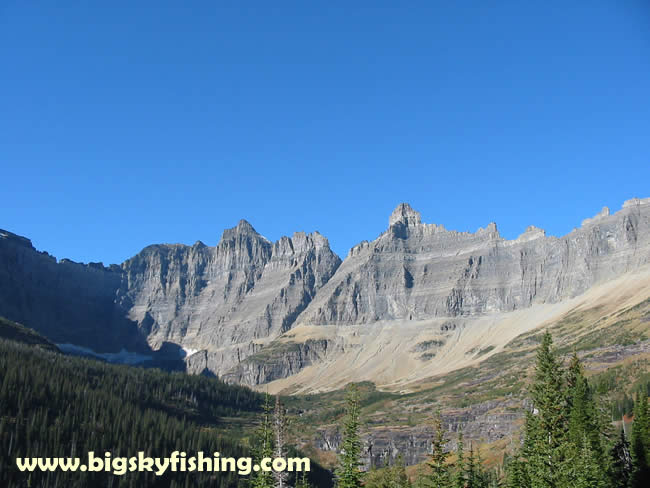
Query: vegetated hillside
x=487, y=401
x=53, y=405
x=16, y=332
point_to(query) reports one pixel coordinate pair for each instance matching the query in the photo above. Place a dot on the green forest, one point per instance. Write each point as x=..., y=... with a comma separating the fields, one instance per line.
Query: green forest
x=568, y=441
x=56, y=405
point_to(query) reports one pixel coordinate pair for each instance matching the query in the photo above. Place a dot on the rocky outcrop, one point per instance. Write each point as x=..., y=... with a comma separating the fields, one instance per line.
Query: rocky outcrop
x=66, y=301
x=418, y=271
x=482, y=423
x=218, y=306
x=279, y=360
x=225, y=301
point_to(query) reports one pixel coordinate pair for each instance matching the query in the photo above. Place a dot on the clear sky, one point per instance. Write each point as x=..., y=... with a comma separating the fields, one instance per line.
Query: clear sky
x=127, y=123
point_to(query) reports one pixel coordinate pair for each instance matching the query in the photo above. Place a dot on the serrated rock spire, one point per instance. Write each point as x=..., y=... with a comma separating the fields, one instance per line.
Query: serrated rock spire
x=404, y=214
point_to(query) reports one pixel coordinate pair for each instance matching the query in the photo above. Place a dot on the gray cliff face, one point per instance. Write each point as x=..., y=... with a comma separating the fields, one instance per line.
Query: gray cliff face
x=226, y=305
x=221, y=300
x=66, y=301
x=419, y=271
x=276, y=361
x=383, y=444
x=228, y=298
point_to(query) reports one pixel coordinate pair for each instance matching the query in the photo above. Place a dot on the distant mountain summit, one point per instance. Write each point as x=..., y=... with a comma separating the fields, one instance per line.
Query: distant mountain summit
x=255, y=311
x=418, y=271
x=227, y=299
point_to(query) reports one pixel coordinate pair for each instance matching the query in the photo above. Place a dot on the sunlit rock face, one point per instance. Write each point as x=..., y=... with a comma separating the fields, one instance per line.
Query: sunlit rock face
x=220, y=306
x=226, y=299
x=418, y=271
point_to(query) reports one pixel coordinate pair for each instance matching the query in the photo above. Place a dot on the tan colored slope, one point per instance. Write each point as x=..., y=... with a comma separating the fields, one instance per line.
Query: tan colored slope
x=384, y=352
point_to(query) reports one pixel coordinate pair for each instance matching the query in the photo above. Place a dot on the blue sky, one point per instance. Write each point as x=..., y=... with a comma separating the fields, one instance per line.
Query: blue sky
x=129, y=123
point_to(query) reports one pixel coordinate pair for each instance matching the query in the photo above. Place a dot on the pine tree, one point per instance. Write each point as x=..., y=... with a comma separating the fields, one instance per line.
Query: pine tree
x=439, y=476
x=640, y=445
x=280, y=447
x=480, y=477
x=546, y=427
x=621, y=469
x=391, y=476
x=460, y=474
x=586, y=470
x=574, y=371
x=399, y=478
x=302, y=481
x=583, y=416
x=264, y=449
x=470, y=468
x=516, y=474
x=348, y=474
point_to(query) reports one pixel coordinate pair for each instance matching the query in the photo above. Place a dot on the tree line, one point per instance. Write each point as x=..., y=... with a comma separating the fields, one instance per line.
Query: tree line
x=568, y=441
x=53, y=405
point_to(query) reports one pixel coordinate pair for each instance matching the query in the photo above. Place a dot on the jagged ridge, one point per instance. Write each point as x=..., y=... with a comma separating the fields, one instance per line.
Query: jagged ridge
x=416, y=271
x=232, y=300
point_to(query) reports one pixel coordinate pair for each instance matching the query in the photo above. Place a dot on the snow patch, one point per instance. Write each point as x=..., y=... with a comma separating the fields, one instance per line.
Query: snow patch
x=186, y=352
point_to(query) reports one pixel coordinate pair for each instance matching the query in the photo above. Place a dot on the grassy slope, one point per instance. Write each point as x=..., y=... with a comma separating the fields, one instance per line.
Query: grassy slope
x=614, y=343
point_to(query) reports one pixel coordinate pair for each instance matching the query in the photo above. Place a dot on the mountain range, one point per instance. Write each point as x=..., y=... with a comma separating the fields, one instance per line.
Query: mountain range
x=417, y=301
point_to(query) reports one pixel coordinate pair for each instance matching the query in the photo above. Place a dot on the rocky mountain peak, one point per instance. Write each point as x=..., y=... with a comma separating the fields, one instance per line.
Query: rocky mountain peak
x=600, y=215
x=242, y=229
x=636, y=201
x=14, y=238
x=405, y=215
x=245, y=227
x=319, y=240
x=532, y=232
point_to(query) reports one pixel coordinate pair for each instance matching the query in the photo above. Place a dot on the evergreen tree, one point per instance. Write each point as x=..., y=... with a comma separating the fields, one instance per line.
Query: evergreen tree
x=566, y=435
x=302, y=481
x=439, y=476
x=574, y=371
x=587, y=471
x=460, y=474
x=471, y=468
x=264, y=447
x=59, y=405
x=480, y=478
x=584, y=425
x=583, y=419
x=399, y=478
x=546, y=427
x=348, y=474
x=621, y=469
x=280, y=422
x=640, y=445
x=391, y=476
x=516, y=474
